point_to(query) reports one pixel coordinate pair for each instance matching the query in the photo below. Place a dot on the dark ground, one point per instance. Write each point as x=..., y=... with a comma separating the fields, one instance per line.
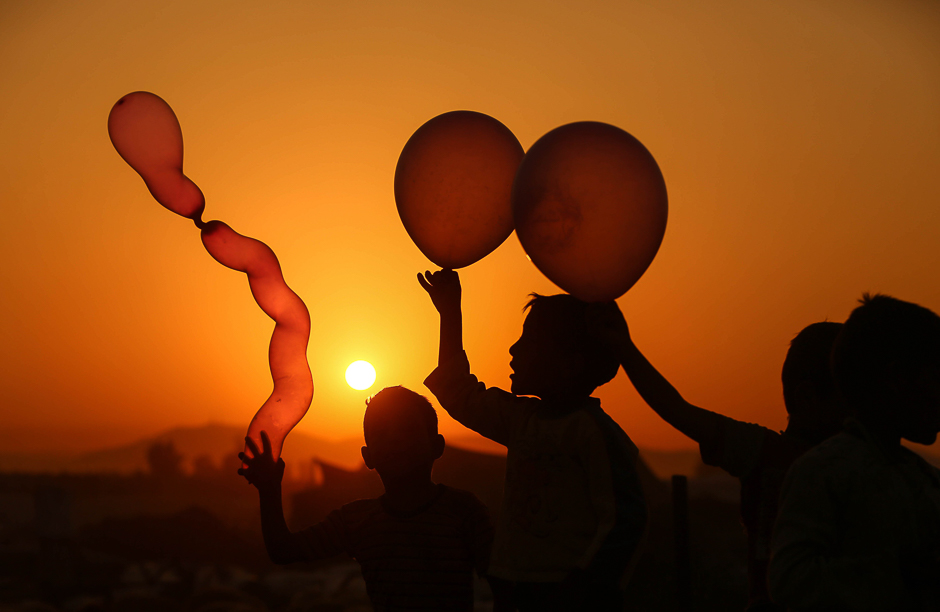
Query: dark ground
x=192, y=542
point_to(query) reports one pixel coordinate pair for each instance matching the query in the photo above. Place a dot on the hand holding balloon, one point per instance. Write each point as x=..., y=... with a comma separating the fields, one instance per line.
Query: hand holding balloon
x=261, y=468
x=444, y=288
x=146, y=133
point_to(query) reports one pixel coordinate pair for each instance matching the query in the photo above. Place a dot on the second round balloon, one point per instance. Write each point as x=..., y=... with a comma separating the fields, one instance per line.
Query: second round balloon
x=453, y=184
x=590, y=208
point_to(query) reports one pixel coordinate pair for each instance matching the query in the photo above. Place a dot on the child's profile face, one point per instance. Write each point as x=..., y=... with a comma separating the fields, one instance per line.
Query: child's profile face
x=921, y=397
x=540, y=366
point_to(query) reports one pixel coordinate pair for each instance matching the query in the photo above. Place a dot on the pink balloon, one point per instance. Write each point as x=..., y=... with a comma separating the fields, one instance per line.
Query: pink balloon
x=287, y=353
x=590, y=209
x=453, y=184
x=145, y=132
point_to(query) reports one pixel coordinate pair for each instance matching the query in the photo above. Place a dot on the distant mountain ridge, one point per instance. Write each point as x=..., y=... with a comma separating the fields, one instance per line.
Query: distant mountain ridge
x=221, y=442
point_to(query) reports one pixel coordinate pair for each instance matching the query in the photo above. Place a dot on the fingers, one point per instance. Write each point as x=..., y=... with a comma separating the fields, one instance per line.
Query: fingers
x=252, y=446
x=245, y=458
x=266, y=443
x=424, y=284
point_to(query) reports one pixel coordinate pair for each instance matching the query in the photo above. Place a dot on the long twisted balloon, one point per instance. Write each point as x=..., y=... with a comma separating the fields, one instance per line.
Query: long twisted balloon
x=146, y=133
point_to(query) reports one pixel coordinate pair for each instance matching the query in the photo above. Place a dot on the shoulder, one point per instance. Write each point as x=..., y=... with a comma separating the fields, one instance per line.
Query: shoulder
x=838, y=460
x=598, y=427
x=357, y=512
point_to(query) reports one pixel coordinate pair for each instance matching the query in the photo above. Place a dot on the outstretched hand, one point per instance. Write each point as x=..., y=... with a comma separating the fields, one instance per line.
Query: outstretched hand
x=606, y=323
x=261, y=469
x=444, y=288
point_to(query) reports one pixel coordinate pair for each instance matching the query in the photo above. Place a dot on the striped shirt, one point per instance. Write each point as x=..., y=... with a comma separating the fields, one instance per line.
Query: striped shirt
x=572, y=496
x=420, y=561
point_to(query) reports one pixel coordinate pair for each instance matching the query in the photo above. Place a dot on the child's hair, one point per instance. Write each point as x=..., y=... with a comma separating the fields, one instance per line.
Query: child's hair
x=391, y=403
x=883, y=336
x=568, y=329
x=808, y=361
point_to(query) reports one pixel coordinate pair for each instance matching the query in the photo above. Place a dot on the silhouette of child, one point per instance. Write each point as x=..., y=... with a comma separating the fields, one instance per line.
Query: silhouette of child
x=859, y=520
x=759, y=457
x=573, y=510
x=417, y=544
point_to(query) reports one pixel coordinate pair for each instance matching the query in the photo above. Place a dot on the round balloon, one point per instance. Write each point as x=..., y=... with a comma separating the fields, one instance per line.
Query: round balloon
x=453, y=184
x=590, y=207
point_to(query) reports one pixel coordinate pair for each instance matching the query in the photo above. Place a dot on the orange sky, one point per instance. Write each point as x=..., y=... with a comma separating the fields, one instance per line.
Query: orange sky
x=800, y=144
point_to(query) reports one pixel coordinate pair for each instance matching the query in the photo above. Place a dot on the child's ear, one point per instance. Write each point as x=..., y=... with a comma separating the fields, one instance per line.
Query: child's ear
x=437, y=446
x=367, y=457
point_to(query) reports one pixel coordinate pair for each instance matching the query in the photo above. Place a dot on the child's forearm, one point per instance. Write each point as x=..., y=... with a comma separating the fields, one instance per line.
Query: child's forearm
x=451, y=334
x=280, y=543
x=662, y=397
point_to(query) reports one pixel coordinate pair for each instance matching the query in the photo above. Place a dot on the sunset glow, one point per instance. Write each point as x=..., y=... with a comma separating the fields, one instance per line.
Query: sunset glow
x=798, y=141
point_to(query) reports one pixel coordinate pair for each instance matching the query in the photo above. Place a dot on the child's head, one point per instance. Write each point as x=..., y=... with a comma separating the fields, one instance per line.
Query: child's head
x=809, y=393
x=886, y=362
x=400, y=429
x=557, y=356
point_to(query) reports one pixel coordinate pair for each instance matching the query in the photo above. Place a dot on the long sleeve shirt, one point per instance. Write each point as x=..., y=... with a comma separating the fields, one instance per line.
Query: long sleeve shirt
x=572, y=496
x=759, y=458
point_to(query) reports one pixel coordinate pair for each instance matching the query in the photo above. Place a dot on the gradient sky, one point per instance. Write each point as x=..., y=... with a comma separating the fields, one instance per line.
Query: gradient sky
x=799, y=140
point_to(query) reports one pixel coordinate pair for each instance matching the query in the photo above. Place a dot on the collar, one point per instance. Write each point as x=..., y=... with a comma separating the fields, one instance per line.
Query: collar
x=860, y=430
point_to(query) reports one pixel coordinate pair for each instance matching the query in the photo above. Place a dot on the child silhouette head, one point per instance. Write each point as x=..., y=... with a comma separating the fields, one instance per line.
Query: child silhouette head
x=400, y=429
x=557, y=356
x=809, y=393
x=886, y=362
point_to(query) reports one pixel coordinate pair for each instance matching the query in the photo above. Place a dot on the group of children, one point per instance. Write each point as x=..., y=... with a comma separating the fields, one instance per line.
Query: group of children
x=838, y=514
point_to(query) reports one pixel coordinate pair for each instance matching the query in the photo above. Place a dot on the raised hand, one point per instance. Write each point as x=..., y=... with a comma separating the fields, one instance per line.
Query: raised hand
x=444, y=288
x=261, y=469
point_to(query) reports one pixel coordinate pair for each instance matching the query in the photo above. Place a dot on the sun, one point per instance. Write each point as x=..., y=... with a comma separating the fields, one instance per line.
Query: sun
x=360, y=375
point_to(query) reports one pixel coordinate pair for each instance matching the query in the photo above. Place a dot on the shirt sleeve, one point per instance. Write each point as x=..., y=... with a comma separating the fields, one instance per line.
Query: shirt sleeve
x=325, y=539
x=493, y=413
x=734, y=446
x=807, y=570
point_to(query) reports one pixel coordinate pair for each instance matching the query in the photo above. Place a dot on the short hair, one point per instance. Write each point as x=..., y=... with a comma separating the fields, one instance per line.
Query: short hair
x=568, y=328
x=392, y=403
x=884, y=335
x=807, y=361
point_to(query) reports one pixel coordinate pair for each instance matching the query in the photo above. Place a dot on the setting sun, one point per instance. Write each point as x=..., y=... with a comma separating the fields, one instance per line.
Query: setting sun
x=360, y=375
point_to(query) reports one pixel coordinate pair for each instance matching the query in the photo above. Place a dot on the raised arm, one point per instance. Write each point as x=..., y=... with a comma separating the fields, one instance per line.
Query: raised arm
x=444, y=288
x=607, y=322
x=491, y=412
x=266, y=474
